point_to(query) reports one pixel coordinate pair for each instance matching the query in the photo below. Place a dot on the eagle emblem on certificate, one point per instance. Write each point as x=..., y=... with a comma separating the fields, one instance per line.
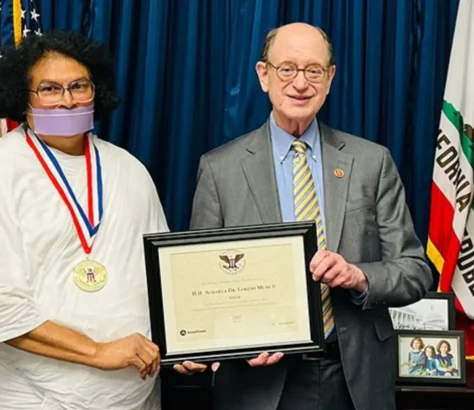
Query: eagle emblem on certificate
x=90, y=276
x=232, y=262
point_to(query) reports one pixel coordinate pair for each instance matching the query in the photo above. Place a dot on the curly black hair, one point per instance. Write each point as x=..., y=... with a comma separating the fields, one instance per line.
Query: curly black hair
x=16, y=64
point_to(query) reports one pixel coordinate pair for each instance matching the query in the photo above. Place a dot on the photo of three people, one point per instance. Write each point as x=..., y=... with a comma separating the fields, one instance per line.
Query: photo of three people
x=430, y=357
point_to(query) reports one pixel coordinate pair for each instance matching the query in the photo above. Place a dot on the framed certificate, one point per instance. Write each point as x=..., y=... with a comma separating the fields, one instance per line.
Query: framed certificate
x=234, y=292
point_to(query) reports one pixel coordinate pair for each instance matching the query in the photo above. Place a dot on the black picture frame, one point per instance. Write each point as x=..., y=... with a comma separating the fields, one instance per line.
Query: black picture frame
x=428, y=373
x=443, y=317
x=154, y=242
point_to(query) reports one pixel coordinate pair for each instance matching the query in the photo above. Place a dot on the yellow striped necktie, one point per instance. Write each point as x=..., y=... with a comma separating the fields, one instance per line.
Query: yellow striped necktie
x=307, y=209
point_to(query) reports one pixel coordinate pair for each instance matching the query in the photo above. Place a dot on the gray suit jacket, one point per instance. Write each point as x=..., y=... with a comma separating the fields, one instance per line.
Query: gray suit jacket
x=367, y=222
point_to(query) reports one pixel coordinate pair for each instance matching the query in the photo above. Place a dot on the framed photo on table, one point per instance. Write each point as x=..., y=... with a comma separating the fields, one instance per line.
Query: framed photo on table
x=234, y=292
x=434, y=312
x=431, y=357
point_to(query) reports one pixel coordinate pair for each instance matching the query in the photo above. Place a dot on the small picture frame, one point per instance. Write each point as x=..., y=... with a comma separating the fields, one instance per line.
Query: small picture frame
x=435, y=312
x=431, y=357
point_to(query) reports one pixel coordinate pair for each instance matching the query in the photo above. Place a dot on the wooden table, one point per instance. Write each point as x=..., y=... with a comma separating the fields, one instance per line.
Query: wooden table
x=438, y=397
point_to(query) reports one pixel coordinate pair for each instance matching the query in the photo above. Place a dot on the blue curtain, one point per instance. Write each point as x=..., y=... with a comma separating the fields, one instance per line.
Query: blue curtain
x=185, y=73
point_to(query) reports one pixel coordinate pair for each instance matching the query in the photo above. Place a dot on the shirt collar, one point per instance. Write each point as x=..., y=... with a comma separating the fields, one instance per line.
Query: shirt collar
x=282, y=141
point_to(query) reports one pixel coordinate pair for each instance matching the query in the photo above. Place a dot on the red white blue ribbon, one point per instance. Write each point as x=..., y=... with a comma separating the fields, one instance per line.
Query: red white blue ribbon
x=86, y=224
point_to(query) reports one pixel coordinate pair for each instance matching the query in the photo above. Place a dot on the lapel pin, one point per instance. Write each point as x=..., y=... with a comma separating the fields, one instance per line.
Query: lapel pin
x=339, y=172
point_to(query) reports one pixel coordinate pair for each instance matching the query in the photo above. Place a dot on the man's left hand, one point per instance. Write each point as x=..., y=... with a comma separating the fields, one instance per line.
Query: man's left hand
x=332, y=269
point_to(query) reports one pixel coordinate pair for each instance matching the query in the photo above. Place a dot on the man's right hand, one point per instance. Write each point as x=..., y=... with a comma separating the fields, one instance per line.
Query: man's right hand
x=265, y=359
x=188, y=368
x=134, y=350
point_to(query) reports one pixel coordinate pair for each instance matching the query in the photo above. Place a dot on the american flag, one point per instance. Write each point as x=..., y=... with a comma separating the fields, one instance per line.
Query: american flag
x=18, y=19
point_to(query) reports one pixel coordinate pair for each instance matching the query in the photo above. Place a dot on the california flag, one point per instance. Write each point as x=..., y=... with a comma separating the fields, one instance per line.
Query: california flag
x=451, y=229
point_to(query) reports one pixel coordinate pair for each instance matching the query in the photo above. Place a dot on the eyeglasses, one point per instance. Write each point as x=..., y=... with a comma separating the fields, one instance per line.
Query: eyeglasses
x=49, y=94
x=288, y=71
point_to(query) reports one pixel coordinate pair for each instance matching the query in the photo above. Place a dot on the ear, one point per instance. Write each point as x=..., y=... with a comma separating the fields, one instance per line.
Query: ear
x=331, y=74
x=262, y=73
x=29, y=118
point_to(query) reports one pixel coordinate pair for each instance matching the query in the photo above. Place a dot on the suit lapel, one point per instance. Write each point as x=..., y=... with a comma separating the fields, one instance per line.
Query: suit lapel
x=259, y=171
x=335, y=188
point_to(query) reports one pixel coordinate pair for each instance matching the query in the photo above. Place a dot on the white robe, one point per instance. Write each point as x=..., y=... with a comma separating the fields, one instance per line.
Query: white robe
x=39, y=249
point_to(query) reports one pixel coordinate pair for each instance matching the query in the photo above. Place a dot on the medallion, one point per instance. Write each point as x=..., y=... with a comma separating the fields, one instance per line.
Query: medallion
x=90, y=276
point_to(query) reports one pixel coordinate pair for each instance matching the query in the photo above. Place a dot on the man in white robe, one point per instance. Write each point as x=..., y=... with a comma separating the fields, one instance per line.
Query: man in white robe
x=62, y=346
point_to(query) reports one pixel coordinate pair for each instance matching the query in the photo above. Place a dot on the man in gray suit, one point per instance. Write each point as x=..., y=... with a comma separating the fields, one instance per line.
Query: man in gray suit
x=370, y=257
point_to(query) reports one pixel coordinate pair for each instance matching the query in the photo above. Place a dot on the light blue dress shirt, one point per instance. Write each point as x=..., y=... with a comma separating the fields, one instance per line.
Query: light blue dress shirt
x=283, y=156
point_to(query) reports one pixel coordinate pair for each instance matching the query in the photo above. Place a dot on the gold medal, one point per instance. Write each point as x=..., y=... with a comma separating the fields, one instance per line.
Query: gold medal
x=90, y=276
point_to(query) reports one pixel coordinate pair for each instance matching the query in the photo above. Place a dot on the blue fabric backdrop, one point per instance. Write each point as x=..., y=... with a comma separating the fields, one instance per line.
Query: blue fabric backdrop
x=185, y=72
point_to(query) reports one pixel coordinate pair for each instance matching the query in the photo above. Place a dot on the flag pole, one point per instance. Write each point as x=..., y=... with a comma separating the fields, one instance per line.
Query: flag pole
x=17, y=16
